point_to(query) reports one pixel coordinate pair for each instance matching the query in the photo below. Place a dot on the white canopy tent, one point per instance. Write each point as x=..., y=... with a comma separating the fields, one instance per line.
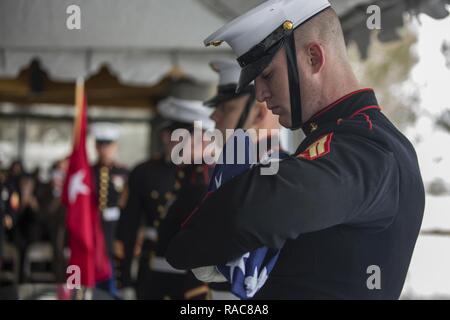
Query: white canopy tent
x=139, y=40
x=142, y=40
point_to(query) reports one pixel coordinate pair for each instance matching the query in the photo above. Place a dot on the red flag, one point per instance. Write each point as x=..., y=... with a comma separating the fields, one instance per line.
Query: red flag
x=86, y=241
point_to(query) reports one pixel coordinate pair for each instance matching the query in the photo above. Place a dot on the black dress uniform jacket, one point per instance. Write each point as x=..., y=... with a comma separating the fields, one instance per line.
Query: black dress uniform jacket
x=351, y=198
x=110, y=182
x=160, y=195
x=151, y=185
x=193, y=183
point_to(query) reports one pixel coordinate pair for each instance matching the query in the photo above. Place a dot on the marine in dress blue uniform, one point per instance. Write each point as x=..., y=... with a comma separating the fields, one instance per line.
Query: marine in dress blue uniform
x=110, y=179
x=151, y=189
x=350, y=198
x=160, y=194
x=239, y=111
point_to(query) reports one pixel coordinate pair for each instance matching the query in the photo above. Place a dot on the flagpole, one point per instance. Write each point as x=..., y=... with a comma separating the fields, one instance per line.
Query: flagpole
x=79, y=97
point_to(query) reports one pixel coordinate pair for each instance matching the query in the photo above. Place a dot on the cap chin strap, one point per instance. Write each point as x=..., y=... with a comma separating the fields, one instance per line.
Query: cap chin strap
x=246, y=111
x=294, y=82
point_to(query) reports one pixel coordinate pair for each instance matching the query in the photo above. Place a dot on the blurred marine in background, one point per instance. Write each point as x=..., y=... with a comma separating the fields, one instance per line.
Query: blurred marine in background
x=238, y=112
x=110, y=179
x=150, y=190
x=160, y=194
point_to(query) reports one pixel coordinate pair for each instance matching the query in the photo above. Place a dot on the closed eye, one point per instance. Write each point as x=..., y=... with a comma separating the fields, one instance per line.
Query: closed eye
x=267, y=76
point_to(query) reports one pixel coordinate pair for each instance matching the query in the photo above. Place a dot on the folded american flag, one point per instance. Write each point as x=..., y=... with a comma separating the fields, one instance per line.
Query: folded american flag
x=247, y=274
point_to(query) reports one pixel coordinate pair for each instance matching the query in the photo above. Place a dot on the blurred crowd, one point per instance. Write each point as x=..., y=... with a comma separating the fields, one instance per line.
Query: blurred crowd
x=132, y=206
x=33, y=225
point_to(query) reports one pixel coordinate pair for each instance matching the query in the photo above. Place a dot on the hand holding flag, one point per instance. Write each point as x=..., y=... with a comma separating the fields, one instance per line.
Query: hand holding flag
x=247, y=274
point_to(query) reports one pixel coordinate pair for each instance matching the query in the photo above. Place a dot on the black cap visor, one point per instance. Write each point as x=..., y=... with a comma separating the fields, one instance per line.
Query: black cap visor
x=253, y=69
x=228, y=93
x=104, y=142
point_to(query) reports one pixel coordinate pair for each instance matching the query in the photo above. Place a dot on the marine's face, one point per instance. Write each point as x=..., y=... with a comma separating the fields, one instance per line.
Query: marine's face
x=228, y=114
x=272, y=87
x=199, y=144
x=106, y=151
x=167, y=142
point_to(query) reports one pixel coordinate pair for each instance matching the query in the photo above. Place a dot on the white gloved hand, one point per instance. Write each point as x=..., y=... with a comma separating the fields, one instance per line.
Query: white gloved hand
x=208, y=274
x=128, y=293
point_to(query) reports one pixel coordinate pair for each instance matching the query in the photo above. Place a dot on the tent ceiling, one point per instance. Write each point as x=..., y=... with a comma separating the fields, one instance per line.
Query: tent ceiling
x=229, y=9
x=353, y=15
x=141, y=41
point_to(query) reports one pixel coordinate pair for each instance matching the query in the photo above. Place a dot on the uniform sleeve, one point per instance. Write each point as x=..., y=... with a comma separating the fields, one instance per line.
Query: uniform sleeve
x=355, y=183
x=129, y=223
x=188, y=199
x=123, y=196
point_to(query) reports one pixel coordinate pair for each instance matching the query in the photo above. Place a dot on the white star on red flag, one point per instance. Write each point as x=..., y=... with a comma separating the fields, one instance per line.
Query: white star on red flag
x=77, y=186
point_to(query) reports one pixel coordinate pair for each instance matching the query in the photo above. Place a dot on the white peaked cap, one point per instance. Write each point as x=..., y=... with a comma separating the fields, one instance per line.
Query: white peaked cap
x=228, y=70
x=105, y=131
x=249, y=29
x=186, y=111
